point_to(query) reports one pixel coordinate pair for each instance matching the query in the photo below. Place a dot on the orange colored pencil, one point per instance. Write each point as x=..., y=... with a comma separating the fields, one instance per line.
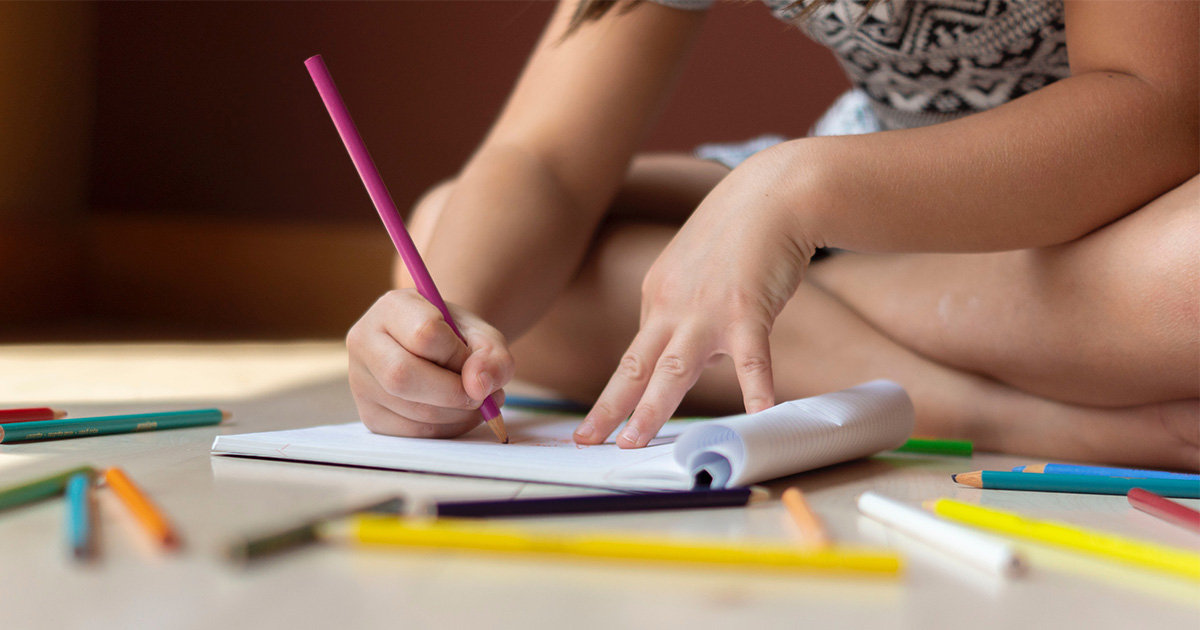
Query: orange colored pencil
x=812, y=533
x=142, y=507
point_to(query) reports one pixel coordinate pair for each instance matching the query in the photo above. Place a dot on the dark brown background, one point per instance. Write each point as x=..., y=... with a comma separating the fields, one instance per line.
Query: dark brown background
x=167, y=169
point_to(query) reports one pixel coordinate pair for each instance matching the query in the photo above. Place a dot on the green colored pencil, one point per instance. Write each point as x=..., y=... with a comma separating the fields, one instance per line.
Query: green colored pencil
x=104, y=425
x=961, y=448
x=1085, y=484
x=39, y=489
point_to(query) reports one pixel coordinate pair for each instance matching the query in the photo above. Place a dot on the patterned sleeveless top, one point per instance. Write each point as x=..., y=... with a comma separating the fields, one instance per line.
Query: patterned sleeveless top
x=919, y=62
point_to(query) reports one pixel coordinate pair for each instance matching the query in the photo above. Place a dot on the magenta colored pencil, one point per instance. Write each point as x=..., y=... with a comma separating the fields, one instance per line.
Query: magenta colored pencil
x=387, y=211
x=1164, y=508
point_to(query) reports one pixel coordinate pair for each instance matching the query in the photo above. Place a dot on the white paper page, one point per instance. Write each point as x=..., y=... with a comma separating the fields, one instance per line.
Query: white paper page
x=789, y=438
x=540, y=449
x=799, y=435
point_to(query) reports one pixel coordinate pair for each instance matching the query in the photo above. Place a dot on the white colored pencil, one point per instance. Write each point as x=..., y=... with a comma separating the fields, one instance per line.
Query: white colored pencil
x=979, y=550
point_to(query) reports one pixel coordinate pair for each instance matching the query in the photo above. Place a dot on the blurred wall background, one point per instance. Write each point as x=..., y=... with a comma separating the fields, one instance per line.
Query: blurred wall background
x=168, y=171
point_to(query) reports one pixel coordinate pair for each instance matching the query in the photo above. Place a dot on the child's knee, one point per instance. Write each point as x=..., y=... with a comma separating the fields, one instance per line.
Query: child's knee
x=425, y=212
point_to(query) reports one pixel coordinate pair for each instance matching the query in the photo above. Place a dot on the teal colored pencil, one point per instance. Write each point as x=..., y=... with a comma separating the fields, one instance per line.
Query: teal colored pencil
x=1084, y=484
x=39, y=489
x=80, y=521
x=105, y=425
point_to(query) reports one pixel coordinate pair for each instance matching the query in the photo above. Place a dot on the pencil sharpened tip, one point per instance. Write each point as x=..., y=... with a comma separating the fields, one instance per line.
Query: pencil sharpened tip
x=225, y=415
x=954, y=478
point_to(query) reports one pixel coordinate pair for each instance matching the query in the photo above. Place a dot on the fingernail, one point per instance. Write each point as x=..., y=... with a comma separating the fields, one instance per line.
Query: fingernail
x=485, y=381
x=631, y=434
x=585, y=430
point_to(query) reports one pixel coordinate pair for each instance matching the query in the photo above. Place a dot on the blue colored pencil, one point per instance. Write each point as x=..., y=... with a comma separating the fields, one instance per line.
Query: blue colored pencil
x=1103, y=471
x=80, y=532
x=1085, y=484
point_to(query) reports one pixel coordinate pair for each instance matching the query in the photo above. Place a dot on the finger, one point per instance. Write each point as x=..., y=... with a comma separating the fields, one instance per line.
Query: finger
x=750, y=349
x=367, y=389
x=490, y=365
x=404, y=376
x=421, y=328
x=675, y=372
x=624, y=388
x=380, y=419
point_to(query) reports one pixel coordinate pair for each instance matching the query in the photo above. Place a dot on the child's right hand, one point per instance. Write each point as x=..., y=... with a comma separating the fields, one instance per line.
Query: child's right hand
x=410, y=374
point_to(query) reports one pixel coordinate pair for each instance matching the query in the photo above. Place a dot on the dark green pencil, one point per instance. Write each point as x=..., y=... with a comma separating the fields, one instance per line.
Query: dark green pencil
x=105, y=425
x=39, y=489
x=272, y=543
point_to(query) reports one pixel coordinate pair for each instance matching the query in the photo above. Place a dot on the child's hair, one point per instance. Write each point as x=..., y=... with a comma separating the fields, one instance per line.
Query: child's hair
x=592, y=10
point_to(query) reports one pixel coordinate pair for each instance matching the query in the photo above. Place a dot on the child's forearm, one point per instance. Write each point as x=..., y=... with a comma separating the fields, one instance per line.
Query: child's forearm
x=507, y=239
x=1041, y=170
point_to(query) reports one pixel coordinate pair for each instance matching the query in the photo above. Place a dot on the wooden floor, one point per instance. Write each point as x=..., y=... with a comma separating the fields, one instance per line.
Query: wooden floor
x=286, y=385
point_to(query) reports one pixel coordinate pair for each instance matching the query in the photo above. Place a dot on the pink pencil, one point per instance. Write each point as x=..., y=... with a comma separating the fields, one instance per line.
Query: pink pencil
x=387, y=211
x=32, y=414
x=1166, y=509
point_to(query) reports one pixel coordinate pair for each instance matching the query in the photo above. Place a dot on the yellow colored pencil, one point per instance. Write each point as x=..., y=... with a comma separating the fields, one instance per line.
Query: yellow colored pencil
x=1143, y=554
x=144, y=510
x=449, y=533
x=812, y=532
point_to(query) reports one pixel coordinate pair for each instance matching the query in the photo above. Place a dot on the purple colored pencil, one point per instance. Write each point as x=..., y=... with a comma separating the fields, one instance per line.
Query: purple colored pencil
x=387, y=211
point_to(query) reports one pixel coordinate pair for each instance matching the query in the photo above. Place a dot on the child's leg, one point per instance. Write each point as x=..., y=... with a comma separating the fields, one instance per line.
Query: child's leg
x=1110, y=319
x=820, y=345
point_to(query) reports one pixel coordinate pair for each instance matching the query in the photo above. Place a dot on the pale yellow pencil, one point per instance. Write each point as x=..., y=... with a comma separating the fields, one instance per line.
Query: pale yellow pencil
x=1144, y=554
x=448, y=533
x=812, y=532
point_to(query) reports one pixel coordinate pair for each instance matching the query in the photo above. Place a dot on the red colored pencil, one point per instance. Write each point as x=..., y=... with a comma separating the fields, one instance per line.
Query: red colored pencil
x=1166, y=509
x=30, y=415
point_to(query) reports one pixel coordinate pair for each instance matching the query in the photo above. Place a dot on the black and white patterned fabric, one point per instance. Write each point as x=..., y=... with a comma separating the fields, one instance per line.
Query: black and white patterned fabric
x=919, y=62
x=927, y=61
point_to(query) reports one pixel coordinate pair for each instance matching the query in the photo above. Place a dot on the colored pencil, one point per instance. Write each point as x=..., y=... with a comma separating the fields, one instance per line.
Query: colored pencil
x=1085, y=484
x=978, y=550
x=1103, y=471
x=144, y=510
x=1166, y=509
x=959, y=448
x=30, y=414
x=106, y=425
x=547, y=506
x=451, y=534
x=387, y=211
x=80, y=520
x=298, y=535
x=558, y=405
x=38, y=489
x=1092, y=542
x=812, y=532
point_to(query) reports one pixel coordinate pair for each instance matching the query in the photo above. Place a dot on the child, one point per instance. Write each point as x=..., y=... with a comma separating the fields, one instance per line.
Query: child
x=1025, y=267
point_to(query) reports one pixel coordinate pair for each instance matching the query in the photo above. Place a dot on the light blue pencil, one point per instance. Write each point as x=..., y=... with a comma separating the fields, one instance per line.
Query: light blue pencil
x=1103, y=471
x=80, y=533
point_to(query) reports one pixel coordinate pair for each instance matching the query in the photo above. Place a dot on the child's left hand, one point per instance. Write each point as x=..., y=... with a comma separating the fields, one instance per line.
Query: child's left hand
x=715, y=290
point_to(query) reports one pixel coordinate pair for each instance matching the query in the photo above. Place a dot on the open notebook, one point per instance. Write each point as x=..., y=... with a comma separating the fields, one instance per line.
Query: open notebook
x=734, y=451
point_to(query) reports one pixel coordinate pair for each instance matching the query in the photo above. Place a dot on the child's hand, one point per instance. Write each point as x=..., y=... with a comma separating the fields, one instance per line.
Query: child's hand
x=715, y=290
x=412, y=376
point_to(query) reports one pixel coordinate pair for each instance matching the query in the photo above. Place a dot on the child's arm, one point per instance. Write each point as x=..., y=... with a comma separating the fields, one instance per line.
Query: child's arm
x=1046, y=168
x=518, y=219
x=522, y=212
